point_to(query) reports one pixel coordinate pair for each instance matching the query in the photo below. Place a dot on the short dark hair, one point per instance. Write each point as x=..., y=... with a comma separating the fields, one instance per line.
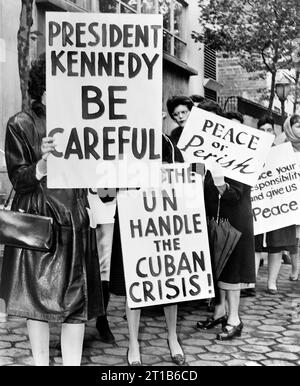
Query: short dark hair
x=212, y=106
x=294, y=119
x=234, y=115
x=197, y=98
x=265, y=119
x=37, y=78
x=177, y=100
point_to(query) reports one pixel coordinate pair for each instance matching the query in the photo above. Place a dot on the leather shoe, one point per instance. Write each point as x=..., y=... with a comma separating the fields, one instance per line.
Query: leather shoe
x=179, y=359
x=134, y=363
x=230, y=333
x=271, y=291
x=248, y=292
x=211, y=322
x=286, y=259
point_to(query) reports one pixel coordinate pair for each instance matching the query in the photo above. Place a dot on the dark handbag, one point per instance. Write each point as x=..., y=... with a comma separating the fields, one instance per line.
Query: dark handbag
x=24, y=230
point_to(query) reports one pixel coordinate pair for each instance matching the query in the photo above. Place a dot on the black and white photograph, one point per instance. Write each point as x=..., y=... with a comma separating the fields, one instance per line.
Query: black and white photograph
x=149, y=186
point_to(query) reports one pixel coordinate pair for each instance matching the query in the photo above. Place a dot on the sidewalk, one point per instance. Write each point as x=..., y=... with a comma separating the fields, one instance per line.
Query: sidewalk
x=271, y=334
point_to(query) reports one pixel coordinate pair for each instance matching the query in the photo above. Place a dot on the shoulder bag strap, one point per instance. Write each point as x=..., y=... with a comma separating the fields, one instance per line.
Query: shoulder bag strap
x=218, y=210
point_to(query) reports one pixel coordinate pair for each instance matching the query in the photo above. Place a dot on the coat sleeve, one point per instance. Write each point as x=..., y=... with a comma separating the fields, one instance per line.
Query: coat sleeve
x=20, y=158
x=233, y=192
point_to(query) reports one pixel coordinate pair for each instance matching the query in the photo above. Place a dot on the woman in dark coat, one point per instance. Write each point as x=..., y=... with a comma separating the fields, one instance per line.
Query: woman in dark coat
x=58, y=286
x=239, y=271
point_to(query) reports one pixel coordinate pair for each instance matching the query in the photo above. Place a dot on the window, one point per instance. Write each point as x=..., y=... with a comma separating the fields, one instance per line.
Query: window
x=174, y=16
x=85, y=4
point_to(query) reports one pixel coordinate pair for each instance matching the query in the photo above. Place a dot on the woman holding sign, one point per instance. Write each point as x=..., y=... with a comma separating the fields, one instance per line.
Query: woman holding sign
x=232, y=200
x=179, y=108
x=170, y=154
x=53, y=286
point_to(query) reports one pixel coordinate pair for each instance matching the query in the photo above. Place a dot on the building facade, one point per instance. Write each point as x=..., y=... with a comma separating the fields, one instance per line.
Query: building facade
x=183, y=60
x=242, y=88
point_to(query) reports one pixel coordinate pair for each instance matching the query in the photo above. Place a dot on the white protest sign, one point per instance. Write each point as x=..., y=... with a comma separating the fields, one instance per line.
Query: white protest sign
x=276, y=195
x=164, y=240
x=104, y=99
x=239, y=149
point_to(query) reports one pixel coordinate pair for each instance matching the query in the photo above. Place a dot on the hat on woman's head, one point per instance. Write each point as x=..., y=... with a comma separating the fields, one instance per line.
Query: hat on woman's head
x=197, y=98
x=289, y=132
x=212, y=106
x=175, y=101
x=37, y=78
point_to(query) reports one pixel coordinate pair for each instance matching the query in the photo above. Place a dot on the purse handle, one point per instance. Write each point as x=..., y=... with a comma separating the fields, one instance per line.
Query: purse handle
x=8, y=198
x=172, y=147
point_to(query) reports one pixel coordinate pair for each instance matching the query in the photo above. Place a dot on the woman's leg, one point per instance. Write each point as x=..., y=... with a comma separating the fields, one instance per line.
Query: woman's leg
x=102, y=325
x=258, y=258
x=233, y=298
x=39, y=339
x=104, y=234
x=274, y=264
x=71, y=343
x=295, y=266
x=220, y=307
x=234, y=325
x=133, y=320
x=171, y=321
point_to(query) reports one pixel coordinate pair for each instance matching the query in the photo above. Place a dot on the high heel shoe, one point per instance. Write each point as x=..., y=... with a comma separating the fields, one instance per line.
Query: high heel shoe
x=134, y=363
x=230, y=333
x=211, y=322
x=179, y=359
x=271, y=291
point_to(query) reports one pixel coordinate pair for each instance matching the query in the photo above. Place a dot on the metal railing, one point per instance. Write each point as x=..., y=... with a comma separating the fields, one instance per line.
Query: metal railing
x=229, y=103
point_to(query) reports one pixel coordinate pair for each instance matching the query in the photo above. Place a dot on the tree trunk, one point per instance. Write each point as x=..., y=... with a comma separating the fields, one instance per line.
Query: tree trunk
x=272, y=91
x=26, y=22
x=296, y=92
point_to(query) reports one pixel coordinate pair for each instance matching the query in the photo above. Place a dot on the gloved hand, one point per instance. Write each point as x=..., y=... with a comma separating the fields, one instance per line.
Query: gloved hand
x=93, y=223
x=217, y=173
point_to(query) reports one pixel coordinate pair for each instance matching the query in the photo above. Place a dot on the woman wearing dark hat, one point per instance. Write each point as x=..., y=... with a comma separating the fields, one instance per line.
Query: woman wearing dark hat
x=179, y=108
x=233, y=200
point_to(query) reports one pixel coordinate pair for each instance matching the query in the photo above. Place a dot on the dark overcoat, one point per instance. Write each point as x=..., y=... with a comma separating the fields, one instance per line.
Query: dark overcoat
x=62, y=285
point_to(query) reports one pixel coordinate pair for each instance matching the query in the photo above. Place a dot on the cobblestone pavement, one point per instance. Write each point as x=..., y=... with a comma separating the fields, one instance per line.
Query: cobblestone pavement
x=271, y=334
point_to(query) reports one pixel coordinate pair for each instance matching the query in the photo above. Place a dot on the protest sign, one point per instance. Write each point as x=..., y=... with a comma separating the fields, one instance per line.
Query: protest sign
x=276, y=196
x=164, y=240
x=239, y=149
x=104, y=99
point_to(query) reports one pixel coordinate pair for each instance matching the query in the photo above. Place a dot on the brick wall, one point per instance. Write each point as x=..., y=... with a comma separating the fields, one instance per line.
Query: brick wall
x=237, y=81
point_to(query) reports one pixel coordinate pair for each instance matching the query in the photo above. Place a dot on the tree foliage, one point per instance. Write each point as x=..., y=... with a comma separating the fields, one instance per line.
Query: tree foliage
x=23, y=37
x=261, y=33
